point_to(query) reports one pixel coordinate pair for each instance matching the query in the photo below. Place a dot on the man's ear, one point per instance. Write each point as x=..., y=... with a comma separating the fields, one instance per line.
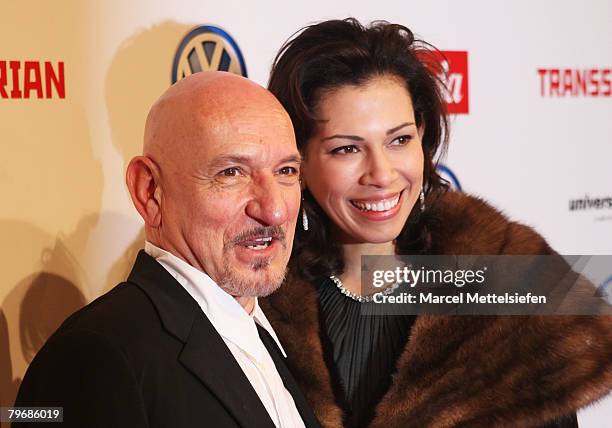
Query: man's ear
x=142, y=179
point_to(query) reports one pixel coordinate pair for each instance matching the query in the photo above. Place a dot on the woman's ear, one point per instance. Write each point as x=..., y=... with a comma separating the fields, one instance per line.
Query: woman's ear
x=421, y=130
x=303, y=169
x=142, y=179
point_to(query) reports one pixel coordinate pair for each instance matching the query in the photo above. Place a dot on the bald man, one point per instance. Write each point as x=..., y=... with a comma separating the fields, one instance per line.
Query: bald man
x=183, y=342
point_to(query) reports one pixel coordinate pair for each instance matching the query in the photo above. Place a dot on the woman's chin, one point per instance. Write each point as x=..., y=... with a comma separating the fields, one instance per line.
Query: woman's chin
x=376, y=237
x=379, y=233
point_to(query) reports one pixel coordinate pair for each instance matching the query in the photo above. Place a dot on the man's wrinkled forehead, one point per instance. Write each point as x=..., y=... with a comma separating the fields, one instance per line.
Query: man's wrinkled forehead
x=243, y=120
x=263, y=134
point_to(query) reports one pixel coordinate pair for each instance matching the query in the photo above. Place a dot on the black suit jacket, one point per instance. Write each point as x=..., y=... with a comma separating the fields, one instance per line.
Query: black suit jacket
x=145, y=355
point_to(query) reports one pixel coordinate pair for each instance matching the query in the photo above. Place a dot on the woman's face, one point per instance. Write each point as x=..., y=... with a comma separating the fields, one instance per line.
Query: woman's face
x=364, y=163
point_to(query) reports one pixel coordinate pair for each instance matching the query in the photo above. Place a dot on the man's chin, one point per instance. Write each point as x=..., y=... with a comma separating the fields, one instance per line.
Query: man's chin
x=260, y=279
x=270, y=288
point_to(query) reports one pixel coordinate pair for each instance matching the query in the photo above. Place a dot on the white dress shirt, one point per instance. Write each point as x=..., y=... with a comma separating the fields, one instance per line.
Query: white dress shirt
x=238, y=330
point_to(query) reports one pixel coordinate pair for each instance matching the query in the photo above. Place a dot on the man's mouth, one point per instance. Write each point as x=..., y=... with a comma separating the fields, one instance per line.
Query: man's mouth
x=377, y=205
x=258, y=244
x=261, y=238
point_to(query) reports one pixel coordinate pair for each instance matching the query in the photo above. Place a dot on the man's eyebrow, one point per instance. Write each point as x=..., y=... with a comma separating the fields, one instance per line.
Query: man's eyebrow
x=228, y=159
x=358, y=138
x=292, y=158
x=245, y=160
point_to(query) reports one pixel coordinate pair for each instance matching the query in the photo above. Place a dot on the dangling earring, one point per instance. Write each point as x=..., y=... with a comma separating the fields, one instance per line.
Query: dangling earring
x=304, y=216
x=422, y=199
x=304, y=220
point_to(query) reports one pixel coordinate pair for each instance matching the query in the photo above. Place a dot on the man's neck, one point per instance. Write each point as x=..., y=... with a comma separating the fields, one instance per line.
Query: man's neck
x=247, y=303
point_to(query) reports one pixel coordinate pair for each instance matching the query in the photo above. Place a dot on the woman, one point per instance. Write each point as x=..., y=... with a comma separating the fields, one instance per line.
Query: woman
x=369, y=120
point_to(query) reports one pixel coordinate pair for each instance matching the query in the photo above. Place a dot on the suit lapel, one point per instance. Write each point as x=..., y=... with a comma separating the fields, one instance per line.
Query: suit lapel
x=208, y=358
x=205, y=354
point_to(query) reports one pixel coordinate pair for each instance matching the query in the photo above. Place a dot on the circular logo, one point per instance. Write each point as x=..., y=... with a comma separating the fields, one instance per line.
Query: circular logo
x=447, y=174
x=207, y=48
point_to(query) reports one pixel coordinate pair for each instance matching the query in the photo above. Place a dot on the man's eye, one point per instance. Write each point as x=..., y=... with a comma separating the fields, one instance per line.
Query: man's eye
x=401, y=140
x=231, y=172
x=288, y=170
x=344, y=150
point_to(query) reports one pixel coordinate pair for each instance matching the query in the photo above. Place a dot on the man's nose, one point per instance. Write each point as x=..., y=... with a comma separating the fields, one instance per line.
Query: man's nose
x=267, y=204
x=379, y=170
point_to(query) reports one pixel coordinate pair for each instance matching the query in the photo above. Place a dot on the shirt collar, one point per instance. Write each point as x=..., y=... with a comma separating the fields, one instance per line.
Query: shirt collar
x=228, y=317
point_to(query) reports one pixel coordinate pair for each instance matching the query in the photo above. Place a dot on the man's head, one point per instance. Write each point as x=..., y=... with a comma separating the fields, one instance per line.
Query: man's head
x=217, y=184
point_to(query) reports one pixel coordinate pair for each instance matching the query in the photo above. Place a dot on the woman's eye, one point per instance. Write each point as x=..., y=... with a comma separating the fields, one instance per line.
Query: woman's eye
x=344, y=150
x=401, y=140
x=231, y=172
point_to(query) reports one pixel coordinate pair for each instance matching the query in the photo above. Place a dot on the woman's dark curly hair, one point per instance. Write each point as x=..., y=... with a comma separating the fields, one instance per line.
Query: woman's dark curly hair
x=335, y=53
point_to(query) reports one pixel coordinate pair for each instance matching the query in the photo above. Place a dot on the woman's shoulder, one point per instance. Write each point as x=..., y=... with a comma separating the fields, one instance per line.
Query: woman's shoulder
x=463, y=224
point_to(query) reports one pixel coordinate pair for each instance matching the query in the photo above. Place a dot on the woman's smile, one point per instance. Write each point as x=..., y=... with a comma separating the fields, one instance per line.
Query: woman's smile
x=378, y=208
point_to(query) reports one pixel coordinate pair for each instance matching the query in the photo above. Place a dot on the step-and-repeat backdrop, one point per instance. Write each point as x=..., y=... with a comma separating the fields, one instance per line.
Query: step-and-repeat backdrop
x=530, y=93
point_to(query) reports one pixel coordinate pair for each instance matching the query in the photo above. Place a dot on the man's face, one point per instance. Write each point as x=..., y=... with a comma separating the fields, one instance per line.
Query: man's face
x=230, y=205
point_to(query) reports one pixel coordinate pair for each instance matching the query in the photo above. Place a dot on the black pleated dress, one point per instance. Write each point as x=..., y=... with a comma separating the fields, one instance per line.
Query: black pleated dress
x=362, y=347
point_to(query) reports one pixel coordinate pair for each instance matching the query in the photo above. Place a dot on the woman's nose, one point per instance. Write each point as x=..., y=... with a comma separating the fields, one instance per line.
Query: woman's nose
x=380, y=171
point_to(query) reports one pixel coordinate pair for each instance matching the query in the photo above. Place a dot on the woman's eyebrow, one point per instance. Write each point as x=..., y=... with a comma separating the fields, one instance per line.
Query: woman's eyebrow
x=398, y=127
x=358, y=138
x=346, y=137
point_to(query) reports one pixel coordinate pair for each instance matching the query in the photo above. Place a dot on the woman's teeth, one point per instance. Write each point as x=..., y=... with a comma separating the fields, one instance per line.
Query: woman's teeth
x=384, y=205
x=260, y=244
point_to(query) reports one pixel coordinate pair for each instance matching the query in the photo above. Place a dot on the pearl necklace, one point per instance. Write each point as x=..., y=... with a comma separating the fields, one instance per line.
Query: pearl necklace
x=357, y=297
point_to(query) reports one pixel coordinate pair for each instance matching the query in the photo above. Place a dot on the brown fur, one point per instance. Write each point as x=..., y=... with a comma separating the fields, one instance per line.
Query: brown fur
x=463, y=371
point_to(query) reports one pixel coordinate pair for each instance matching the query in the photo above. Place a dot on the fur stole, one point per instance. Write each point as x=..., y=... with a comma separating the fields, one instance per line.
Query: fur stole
x=468, y=371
